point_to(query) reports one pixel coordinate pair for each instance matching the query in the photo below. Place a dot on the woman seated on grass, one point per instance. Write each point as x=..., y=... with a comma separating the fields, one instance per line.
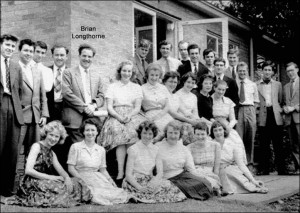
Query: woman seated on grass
x=234, y=175
x=41, y=186
x=206, y=155
x=142, y=159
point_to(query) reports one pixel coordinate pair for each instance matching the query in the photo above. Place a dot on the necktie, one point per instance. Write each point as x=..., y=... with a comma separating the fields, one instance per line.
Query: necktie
x=143, y=64
x=233, y=73
x=87, y=82
x=167, y=65
x=292, y=87
x=7, y=75
x=195, y=69
x=57, y=83
x=266, y=81
x=242, y=92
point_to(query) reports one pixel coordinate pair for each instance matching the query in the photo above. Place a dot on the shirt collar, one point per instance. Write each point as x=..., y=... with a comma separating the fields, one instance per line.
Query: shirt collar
x=83, y=69
x=84, y=146
x=296, y=79
x=221, y=76
x=2, y=59
x=56, y=67
x=25, y=66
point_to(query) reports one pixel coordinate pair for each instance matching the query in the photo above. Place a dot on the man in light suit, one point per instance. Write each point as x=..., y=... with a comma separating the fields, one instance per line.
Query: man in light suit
x=82, y=92
x=11, y=115
x=291, y=110
x=140, y=60
x=270, y=121
x=34, y=101
x=54, y=96
x=233, y=59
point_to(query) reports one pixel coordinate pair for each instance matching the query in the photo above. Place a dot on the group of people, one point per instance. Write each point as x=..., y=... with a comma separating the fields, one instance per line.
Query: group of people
x=172, y=124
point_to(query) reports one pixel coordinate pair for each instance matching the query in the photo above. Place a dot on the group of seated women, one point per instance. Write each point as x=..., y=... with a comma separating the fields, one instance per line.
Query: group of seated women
x=152, y=126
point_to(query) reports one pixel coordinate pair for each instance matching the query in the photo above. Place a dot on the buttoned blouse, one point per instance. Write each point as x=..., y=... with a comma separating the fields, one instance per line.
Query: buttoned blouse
x=188, y=102
x=251, y=91
x=204, y=156
x=174, y=102
x=223, y=107
x=144, y=157
x=230, y=153
x=85, y=158
x=124, y=94
x=175, y=159
x=154, y=97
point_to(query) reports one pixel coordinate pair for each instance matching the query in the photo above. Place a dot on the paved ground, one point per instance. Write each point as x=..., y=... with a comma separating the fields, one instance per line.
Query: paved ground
x=279, y=188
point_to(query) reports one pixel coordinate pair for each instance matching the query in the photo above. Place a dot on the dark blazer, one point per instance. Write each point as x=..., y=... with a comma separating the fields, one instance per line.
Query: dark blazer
x=16, y=81
x=73, y=95
x=140, y=74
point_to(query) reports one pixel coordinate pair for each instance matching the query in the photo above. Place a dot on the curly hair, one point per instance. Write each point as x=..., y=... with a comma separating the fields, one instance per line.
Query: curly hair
x=216, y=124
x=171, y=74
x=201, y=126
x=147, y=125
x=120, y=67
x=91, y=121
x=177, y=125
x=204, y=77
x=50, y=127
x=186, y=76
x=153, y=66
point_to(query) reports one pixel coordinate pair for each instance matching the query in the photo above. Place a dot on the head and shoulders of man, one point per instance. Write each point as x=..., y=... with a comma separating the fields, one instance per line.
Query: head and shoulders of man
x=8, y=46
x=142, y=49
x=60, y=56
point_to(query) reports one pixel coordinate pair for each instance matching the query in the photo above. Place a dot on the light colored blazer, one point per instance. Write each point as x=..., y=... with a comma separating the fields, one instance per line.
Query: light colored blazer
x=73, y=95
x=276, y=88
x=34, y=101
x=291, y=101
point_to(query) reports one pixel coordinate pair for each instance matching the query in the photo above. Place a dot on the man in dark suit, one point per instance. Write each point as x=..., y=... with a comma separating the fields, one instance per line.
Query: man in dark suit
x=54, y=96
x=11, y=116
x=184, y=55
x=232, y=90
x=34, y=101
x=233, y=59
x=195, y=66
x=82, y=92
x=140, y=60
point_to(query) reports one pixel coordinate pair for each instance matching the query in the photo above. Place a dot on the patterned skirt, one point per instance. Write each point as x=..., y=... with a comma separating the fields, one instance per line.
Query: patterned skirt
x=49, y=193
x=193, y=186
x=114, y=133
x=166, y=192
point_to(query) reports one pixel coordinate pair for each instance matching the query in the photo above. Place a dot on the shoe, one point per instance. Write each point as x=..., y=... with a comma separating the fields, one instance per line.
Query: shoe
x=119, y=182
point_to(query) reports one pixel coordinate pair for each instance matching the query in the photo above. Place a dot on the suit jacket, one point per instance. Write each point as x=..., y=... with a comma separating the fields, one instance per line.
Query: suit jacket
x=73, y=96
x=232, y=91
x=16, y=80
x=140, y=75
x=185, y=68
x=291, y=100
x=276, y=102
x=34, y=101
x=228, y=72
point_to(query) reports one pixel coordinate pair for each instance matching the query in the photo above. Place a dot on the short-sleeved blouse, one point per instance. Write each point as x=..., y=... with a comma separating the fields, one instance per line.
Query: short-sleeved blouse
x=124, y=94
x=85, y=158
x=205, y=106
x=175, y=159
x=229, y=151
x=204, y=156
x=223, y=108
x=154, y=97
x=188, y=101
x=174, y=102
x=144, y=157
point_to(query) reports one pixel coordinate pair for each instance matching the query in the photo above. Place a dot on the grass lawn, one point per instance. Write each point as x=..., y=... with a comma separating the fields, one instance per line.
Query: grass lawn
x=212, y=205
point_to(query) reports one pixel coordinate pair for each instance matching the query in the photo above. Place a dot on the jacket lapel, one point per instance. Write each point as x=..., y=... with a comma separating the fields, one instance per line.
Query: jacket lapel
x=79, y=82
x=261, y=90
x=296, y=87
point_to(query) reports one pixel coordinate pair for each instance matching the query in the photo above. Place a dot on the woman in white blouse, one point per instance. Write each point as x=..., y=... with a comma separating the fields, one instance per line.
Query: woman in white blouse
x=178, y=165
x=234, y=175
x=123, y=99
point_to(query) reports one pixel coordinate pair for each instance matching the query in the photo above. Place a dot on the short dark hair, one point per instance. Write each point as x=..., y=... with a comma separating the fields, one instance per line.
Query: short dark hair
x=147, y=125
x=216, y=124
x=193, y=46
x=202, y=78
x=233, y=51
x=164, y=42
x=219, y=60
x=41, y=44
x=86, y=46
x=56, y=46
x=8, y=37
x=201, y=126
x=207, y=51
x=144, y=43
x=27, y=41
x=171, y=74
x=91, y=121
x=186, y=76
x=121, y=65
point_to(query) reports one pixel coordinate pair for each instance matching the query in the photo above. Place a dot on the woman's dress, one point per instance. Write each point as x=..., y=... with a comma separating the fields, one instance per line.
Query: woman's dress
x=49, y=193
x=205, y=106
x=113, y=132
x=179, y=168
x=204, y=159
x=144, y=163
x=155, y=99
x=224, y=110
x=232, y=178
x=87, y=162
x=188, y=102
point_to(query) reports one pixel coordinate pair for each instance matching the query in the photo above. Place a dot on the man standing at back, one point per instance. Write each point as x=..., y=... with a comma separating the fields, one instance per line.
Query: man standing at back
x=54, y=96
x=39, y=54
x=182, y=47
x=233, y=59
x=167, y=62
x=291, y=110
x=82, y=92
x=11, y=115
x=209, y=57
x=140, y=60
